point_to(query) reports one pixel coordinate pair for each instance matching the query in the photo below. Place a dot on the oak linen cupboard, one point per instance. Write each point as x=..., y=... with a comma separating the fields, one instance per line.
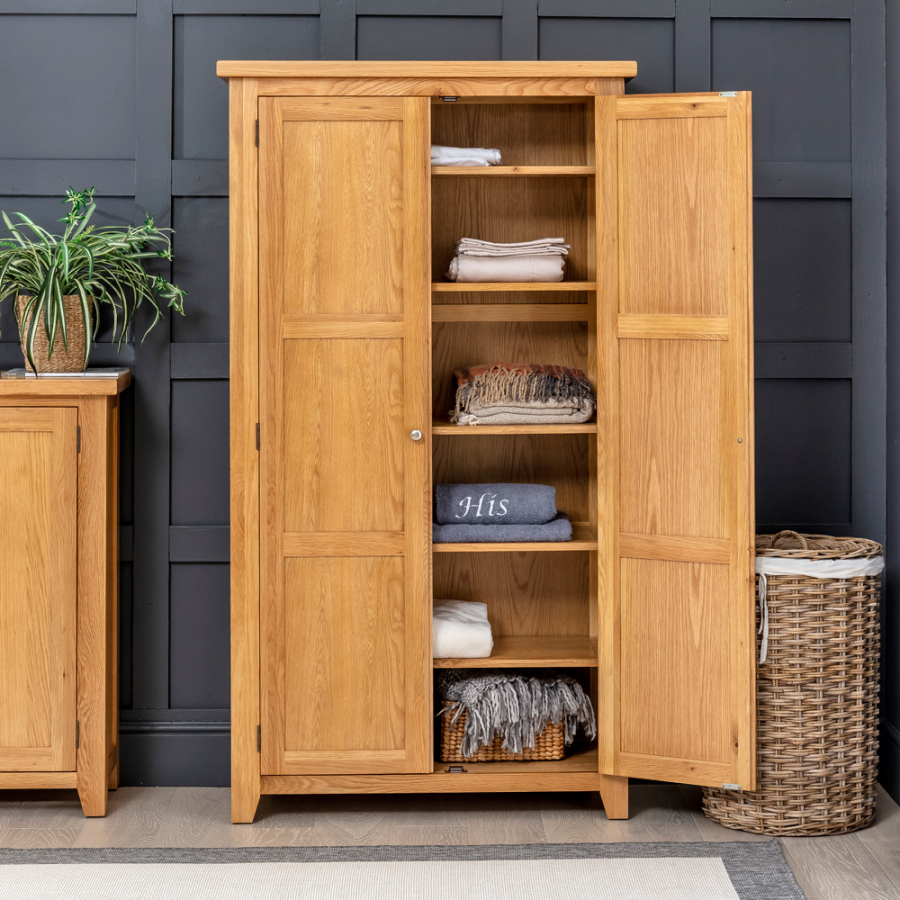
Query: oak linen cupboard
x=59, y=563
x=344, y=335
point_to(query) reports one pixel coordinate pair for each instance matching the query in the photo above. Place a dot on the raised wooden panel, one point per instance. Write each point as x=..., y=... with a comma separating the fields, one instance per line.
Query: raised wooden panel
x=343, y=235
x=38, y=589
x=527, y=594
x=676, y=665
x=673, y=201
x=344, y=680
x=343, y=433
x=673, y=470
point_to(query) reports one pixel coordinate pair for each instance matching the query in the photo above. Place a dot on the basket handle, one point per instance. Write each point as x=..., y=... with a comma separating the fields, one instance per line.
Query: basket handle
x=789, y=533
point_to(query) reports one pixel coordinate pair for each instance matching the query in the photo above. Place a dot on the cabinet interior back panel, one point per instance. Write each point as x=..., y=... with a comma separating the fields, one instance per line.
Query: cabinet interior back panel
x=343, y=211
x=560, y=460
x=676, y=676
x=510, y=210
x=344, y=686
x=526, y=134
x=460, y=344
x=674, y=252
x=672, y=446
x=343, y=435
x=527, y=593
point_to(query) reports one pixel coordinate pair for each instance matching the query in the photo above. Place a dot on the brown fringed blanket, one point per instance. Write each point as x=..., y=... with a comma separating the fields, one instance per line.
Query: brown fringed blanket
x=522, y=394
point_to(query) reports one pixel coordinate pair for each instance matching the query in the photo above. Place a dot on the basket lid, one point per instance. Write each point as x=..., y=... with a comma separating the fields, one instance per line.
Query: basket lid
x=792, y=545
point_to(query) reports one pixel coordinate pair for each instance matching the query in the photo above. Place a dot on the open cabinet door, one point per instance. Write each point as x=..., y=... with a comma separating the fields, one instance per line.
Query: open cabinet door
x=676, y=604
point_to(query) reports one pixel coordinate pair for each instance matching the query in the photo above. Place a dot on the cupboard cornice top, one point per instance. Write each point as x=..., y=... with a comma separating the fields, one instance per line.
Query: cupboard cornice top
x=384, y=69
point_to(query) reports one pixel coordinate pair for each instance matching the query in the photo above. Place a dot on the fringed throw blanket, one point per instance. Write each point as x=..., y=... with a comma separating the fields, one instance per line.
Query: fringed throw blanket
x=516, y=707
x=522, y=394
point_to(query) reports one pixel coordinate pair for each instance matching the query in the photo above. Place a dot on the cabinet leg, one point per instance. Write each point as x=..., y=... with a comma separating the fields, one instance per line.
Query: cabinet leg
x=92, y=795
x=243, y=806
x=614, y=794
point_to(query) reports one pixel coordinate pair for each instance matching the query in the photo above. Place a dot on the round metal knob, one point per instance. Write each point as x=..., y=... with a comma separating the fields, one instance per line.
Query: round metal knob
x=416, y=435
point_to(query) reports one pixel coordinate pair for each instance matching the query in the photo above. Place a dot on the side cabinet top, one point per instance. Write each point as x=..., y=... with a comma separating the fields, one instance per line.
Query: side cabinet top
x=436, y=79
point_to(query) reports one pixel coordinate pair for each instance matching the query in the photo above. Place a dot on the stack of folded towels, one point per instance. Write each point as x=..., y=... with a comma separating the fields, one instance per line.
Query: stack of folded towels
x=461, y=630
x=498, y=513
x=522, y=394
x=541, y=260
x=464, y=156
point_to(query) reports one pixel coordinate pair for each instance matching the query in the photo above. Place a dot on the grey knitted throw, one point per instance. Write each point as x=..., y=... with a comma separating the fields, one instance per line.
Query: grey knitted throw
x=515, y=706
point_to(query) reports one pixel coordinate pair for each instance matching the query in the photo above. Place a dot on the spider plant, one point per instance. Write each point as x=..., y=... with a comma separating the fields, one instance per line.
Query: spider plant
x=101, y=265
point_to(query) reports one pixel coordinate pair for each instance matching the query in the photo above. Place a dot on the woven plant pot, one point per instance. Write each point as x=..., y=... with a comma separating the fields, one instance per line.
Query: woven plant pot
x=550, y=743
x=817, y=698
x=71, y=360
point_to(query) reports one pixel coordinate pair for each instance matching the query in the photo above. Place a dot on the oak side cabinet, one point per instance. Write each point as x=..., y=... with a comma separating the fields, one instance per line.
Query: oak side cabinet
x=59, y=548
x=344, y=338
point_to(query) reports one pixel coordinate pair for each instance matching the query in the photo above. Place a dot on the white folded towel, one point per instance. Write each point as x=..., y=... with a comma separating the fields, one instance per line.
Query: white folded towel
x=460, y=630
x=479, y=247
x=464, y=156
x=533, y=267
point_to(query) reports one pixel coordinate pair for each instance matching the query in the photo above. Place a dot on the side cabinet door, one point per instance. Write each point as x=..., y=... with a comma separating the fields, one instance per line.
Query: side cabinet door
x=676, y=605
x=344, y=350
x=38, y=513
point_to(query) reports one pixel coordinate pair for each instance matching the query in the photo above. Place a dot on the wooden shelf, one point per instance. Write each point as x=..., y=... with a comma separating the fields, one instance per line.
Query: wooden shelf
x=579, y=759
x=442, y=427
x=583, y=538
x=510, y=312
x=512, y=171
x=525, y=652
x=76, y=386
x=466, y=286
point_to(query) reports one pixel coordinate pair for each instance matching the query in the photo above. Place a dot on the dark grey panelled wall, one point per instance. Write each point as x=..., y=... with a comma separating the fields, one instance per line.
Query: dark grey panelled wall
x=122, y=94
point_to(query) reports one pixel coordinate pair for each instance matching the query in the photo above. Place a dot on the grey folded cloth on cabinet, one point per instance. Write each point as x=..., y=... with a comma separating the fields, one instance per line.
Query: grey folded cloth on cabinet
x=532, y=412
x=494, y=504
x=556, y=530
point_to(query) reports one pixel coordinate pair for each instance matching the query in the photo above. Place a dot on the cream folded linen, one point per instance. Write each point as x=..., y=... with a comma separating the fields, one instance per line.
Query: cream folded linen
x=474, y=247
x=480, y=156
x=533, y=267
x=531, y=412
x=460, y=630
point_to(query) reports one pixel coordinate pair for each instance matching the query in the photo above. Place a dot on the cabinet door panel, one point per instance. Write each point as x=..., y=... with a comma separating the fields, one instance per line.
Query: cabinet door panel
x=37, y=589
x=344, y=326
x=675, y=390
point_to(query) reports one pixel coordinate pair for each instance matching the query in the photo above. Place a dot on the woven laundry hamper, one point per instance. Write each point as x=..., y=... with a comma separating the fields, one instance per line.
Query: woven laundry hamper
x=816, y=689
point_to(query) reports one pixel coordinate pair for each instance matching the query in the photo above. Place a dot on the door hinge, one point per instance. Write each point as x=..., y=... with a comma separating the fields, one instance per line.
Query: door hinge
x=257, y=435
x=730, y=787
x=256, y=136
x=78, y=439
x=259, y=739
x=77, y=734
x=728, y=93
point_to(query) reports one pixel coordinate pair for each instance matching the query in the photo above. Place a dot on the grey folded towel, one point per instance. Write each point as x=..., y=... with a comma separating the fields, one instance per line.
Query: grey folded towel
x=557, y=529
x=494, y=504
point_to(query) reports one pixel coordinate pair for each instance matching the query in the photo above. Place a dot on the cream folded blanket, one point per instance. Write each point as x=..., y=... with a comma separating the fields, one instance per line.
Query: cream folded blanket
x=460, y=630
x=534, y=412
x=474, y=247
x=464, y=156
x=533, y=267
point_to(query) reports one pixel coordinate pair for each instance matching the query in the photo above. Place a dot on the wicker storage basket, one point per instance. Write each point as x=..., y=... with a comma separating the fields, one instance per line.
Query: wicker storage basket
x=817, y=698
x=63, y=360
x=550, y=743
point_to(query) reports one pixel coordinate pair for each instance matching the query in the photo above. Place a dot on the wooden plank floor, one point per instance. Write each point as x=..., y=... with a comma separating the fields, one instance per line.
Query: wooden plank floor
x=860, y=866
